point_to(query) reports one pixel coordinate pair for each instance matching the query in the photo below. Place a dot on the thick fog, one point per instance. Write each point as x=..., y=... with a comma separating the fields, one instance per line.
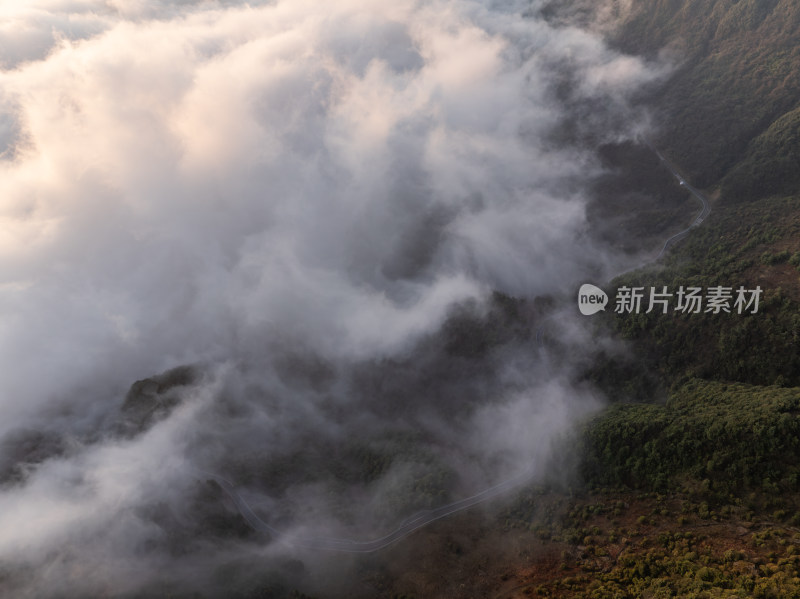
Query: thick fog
x=311, y=204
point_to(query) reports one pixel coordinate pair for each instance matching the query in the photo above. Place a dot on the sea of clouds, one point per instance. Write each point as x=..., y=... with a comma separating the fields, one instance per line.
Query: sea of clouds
x=271, y=190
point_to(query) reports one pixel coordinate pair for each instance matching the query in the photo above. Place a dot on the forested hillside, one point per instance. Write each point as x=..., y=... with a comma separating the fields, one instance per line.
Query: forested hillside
x=729, y=117
x=732, y=96
x=697, y=495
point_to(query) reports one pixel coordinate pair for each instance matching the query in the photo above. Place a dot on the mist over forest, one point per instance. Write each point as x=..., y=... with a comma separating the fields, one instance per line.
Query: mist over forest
x=306, y=247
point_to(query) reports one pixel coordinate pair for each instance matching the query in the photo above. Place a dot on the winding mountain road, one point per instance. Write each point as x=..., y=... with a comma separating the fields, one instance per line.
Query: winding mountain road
x=352, y=546
x=704, y=212
x=424, y=518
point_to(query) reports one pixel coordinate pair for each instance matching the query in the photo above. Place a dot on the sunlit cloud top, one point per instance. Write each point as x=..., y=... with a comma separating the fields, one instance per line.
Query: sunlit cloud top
x=201, y=182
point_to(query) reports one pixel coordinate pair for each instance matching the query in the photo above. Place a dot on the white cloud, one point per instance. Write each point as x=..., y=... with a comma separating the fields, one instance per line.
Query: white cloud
x=204, y=181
